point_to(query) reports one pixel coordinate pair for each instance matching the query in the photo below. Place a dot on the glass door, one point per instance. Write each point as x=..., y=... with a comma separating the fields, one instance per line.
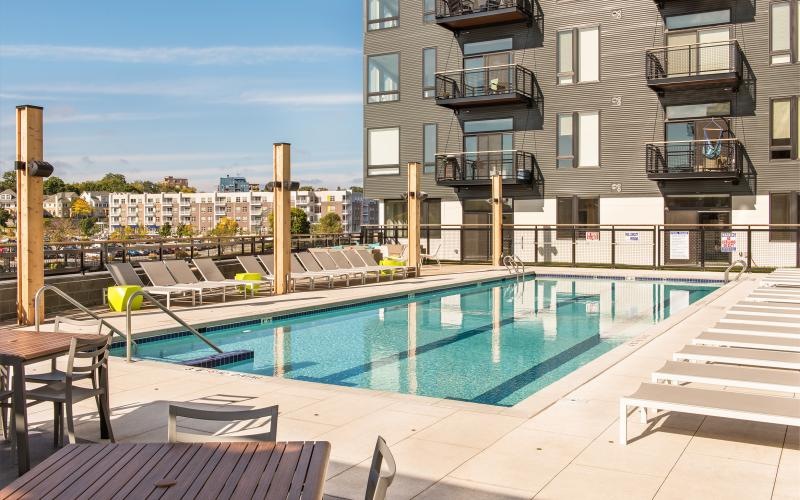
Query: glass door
x=487, y=74
x=713, y=55
x=486, y=153
x=680, y=148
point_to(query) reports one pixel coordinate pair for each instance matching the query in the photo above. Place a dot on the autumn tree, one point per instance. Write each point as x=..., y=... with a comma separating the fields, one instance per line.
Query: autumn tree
x=329, y=223
x=80, y=208
x=225, y=227
x=184, y=231
x=165, y=231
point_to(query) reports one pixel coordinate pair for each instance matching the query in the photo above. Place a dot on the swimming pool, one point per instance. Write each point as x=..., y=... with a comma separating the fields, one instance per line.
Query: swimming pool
x=494, y=343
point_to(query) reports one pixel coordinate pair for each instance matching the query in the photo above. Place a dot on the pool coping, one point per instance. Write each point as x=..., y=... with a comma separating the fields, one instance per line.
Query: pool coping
x=529, y=406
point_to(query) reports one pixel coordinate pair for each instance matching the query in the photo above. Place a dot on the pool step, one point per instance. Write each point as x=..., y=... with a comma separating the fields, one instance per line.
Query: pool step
x=217, y=360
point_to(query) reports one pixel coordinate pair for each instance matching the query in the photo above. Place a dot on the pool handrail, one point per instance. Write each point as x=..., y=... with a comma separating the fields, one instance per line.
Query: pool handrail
x=128, y=330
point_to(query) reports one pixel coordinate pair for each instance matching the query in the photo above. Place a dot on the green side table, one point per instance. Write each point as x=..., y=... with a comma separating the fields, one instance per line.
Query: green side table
x=390, y=261
x=248, y=277
x=118, y=297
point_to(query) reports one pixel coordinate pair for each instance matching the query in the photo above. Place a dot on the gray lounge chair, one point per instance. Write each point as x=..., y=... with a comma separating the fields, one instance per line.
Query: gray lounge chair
x=183, y=274
x=739, y=356
x=359, y=262
x=747, y=341
x=343, y=262
x=123, y=274
x=159, y=275
x=310, y=263
x=268, y=261
x=326, y=261
x=210, y=272
x=368, y=257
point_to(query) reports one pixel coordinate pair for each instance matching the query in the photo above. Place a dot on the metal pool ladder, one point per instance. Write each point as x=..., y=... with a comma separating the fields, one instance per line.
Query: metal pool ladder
x=728, y=270
x=514, y=265
x=129, y=331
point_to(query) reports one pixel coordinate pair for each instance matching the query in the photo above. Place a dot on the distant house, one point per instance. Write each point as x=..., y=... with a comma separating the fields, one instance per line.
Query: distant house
x=59, y=204
x=98, y=200
x=8, y=200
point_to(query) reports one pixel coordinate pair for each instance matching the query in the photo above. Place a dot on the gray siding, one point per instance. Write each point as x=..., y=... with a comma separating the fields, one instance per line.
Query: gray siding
x=624, y=129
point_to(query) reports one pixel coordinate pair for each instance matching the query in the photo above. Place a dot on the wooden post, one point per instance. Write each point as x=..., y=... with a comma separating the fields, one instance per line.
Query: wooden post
x=282, y=242
x=497, y=219
x=414, y=216
x=30, y=220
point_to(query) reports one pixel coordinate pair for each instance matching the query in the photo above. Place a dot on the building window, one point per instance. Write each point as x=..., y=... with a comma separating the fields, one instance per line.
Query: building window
x=383, y=151
x=500, y=45
x=395, y=212
x=783, y=128
x=783, y=209
x=575, y=211
x=578, y=142
x=493, y=125
x=698, y=19
x=383, y=78
x=382, y=14
x=429, y=72
x=428, y=11
x=782, y=33
x=429, y=131
x=431, y=215
x=578, y=55
x=705, y=110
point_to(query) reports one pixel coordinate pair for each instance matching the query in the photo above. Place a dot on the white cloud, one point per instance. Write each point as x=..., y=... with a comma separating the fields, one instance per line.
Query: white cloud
x=220, y=55
x=276, y=98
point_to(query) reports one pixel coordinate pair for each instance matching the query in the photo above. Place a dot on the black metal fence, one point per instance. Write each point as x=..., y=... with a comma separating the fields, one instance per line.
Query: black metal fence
x=90, y=256
x=695, y=60
x=711, y=247
x=489, y=81
x=450, y=8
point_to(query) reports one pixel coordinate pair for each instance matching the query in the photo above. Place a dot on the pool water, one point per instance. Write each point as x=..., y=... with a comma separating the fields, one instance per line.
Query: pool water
x=495, y=343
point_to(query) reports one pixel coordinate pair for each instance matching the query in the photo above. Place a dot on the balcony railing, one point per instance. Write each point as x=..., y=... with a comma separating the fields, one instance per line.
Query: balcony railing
x=457, y=15
x=477, y=168
x=491, y=85
x=699, y=65
x=722, y=159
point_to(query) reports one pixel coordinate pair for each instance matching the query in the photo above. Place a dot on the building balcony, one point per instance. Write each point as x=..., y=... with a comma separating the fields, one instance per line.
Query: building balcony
x=457, y=15
x=725, y=159
x=489, y=86
x=476, y=169
x=717, y=65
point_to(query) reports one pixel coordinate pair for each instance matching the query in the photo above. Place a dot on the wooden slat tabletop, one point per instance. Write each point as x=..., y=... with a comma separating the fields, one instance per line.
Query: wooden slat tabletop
x=24, y=346
x=293, y=470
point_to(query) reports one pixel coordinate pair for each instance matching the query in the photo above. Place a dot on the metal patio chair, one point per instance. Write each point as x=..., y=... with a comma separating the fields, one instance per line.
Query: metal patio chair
x=378, y=483
x=238, y=421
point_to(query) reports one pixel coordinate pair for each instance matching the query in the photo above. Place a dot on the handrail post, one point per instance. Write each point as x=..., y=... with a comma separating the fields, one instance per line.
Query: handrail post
x=613, y=248
x=749, y=246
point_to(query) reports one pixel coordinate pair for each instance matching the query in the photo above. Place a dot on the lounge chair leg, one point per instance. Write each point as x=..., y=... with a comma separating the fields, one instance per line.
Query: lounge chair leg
x=623, y=424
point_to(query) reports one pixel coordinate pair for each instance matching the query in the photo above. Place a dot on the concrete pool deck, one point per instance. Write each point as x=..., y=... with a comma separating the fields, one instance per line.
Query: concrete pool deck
x=560, y=443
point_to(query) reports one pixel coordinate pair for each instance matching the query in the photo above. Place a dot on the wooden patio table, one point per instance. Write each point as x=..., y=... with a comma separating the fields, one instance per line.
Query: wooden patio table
x=19, y=348
x=283, y=470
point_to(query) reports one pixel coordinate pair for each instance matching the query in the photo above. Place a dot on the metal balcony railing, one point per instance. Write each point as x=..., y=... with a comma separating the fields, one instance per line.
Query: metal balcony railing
x=695, y=65
x=477, y=168
x=722, y=159
x=504, y=84
x=463, y=14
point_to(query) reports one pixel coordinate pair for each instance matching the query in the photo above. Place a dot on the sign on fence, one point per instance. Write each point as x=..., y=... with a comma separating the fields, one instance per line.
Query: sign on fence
x=679, y=245
x=632, y=237
x=592, y=235
x=728, y=242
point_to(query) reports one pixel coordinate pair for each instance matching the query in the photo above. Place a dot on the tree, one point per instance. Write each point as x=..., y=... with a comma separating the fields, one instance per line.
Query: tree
x=225, y=227
x=80, y=208
x=57, y=229
x=329, y=223
x=53, y=185
x=122, y=233
x=9, y=181
x=165, y=231
x=114, y=183
x=306, y=188
x=357, y=189
x=5, y=216
x=88, y=226
x=299, y=222
x=184, y=231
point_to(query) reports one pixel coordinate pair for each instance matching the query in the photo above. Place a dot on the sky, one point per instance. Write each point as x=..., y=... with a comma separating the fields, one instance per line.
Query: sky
x=196, y=89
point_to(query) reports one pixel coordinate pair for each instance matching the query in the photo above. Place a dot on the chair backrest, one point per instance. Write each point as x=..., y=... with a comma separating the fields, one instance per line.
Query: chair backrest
x=158, y=274
x=354, y=259
x=269, y=262
x=180, y=270
x=94, y=350
x=325, y=260
x=368, y=256
x=238, y=421
x=296, y=265
x=250, y=264
x=123, y=274
x=378, y=483
x=208, y=269
x=340, y=260
x=70, y=325
x=308, y=261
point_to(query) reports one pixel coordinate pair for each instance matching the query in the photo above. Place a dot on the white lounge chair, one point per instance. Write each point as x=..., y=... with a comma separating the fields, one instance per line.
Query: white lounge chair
x=268, y=261
x=159, y=275
x=341, y=260
x=311, y=265
x=328, y=264
x=358, y=260
x=726, y=404
x=124, y=274
x=183, y=274
x=758, y=320
x=787, y=332
x=210, y=272
x=739, y=356
x=747, y=341
x=747, y=377
x=765, y=312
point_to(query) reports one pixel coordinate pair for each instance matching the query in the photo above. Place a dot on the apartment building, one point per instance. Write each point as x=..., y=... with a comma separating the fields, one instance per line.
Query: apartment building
x=59, y=204
x=203, y=211
x=171, y=181
x=98, y=200
x=8, y=201
x=613, y=112
x=234, y=184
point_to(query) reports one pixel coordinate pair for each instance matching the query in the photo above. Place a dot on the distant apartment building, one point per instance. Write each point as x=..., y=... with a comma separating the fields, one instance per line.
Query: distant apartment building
x=203, y=211
x=230, y=184
x=634, y=112
x=254, y=186
x=170, y=181
x=98, y=200
x=59, y=204
x=8, y=200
